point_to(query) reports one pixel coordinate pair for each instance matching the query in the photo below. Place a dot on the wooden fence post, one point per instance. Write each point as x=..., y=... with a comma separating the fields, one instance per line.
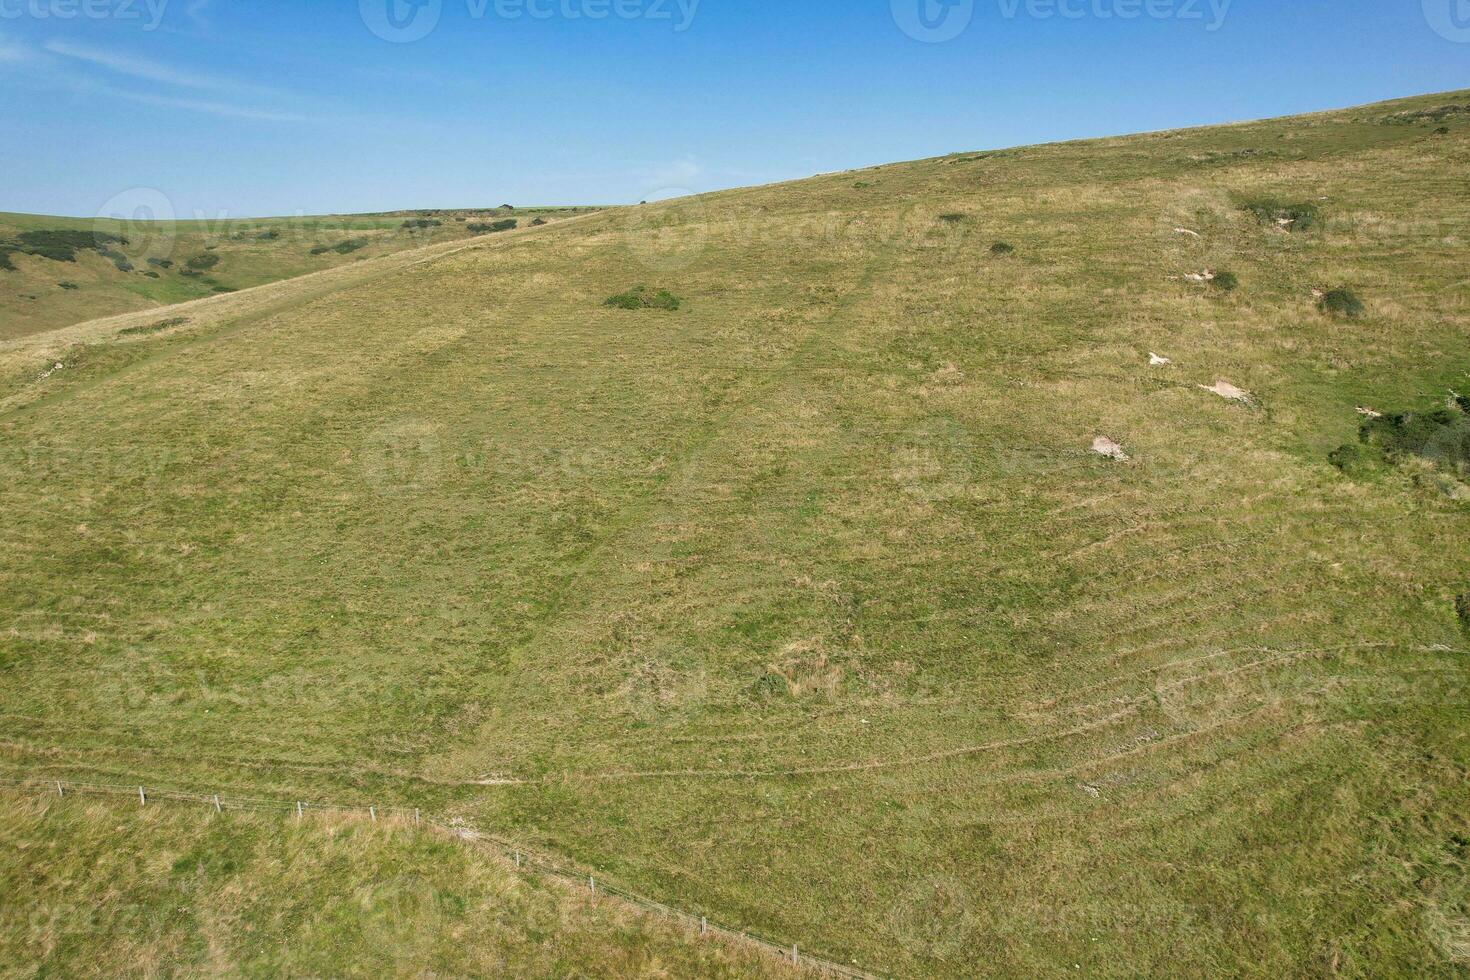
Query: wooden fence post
x=373, y=812
x=142, y=798
x=217, y=807
x=59, y=790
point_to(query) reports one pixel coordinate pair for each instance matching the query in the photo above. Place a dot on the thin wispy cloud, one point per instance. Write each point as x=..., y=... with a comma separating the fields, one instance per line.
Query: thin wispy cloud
x=153, y=71
x=13, y=52
x=200, y=105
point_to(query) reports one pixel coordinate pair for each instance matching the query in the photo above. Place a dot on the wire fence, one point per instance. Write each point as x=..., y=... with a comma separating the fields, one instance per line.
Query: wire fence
x=525, y=860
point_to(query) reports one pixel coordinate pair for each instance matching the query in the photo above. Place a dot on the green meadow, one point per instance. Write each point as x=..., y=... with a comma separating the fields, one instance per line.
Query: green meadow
x=759, y=550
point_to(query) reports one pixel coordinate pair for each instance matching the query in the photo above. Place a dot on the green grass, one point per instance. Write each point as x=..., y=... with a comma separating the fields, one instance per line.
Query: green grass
x=643, y=298
x=104, y=889
x=810, y=607
x=124, y=266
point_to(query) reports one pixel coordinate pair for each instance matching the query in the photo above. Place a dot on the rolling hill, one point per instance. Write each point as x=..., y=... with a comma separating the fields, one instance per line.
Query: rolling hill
x=56, y=271
x=1054, y=559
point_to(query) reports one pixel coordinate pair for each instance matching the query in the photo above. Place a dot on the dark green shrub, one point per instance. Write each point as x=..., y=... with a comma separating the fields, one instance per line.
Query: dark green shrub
x=268, y=236
x=643, y=298
x=952, y=217
x=152, y=275
x=1225, y=281
x=1462, y=609
x=1002, y=248
x=1356, y=460
x=504, y=225
x=117, y=259
x=414, y=224
x=1292, y=217
x=1442, y=131
x=1341, y=303
x=162, y=263
x=68, y=285
x=5, y=264
x=203, y=263
x=341, y=248
x=60, y=246
x=538, y=222
x=153, y=327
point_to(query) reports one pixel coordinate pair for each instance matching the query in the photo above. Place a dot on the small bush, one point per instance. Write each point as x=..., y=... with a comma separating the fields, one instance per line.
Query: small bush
x=5, y=264
x=162, y=263
x=643, y=298
x=268, y=236
x=862, y=184
x=538, y=222
x=1440, y=436
x=341, y=248
x=1292, y=217
x=1442, y=131
x=1356, y=460
x=203, y=263
x=152, y=275
x=504, y=225
x=68, y=285
x=1462, y=609
x=954, y=217
x=1226, y=282
x=152, y=327
x=414, y=224
x=1002, y=248
x=1342, y=303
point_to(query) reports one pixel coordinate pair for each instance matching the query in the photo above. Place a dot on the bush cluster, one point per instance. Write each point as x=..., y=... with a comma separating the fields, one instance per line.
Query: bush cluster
x=481, y=228
x=644, y=298
x=1296, y=217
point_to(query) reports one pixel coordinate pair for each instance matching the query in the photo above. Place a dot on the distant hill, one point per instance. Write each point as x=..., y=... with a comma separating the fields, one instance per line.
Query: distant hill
x=58, y=271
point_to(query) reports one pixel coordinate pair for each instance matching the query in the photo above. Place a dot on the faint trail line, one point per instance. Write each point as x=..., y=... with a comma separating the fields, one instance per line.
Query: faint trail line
x=1122, y=708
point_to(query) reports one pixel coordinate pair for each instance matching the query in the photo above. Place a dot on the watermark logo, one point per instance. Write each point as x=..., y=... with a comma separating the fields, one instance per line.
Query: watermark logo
x=401, y=21
x=403, y=458
x=933, y=918
x=669, y=235
x=139, y=223
x=934, y=460
x=1449, y=18
x=933, y=21
x=151, y=12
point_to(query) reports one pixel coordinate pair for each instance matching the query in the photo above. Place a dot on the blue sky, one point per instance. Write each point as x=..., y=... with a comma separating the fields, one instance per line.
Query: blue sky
x=235, y=108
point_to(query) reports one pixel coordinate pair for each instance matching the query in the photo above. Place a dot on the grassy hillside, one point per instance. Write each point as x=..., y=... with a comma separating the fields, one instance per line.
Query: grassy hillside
x=43, y=286
x=809, y=603
x=110, y=890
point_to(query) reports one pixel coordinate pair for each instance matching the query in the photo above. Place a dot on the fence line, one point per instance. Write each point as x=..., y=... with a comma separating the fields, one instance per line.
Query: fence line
x=525, y=860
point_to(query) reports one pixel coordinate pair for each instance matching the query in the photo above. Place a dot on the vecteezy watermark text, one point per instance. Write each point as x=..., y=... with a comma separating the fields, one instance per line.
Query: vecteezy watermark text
x=149, y=11
x=934, y=21
x=402, y=21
